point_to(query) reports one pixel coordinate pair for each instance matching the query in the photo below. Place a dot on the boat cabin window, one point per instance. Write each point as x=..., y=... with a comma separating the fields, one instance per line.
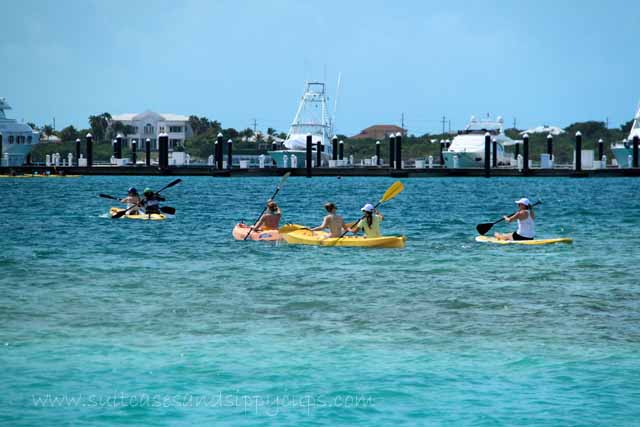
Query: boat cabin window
x=10, y=139
x=29, y=139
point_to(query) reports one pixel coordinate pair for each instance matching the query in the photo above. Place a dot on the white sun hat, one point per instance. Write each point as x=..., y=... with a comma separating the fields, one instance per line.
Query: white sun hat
x=523, y=201
x=368, y=208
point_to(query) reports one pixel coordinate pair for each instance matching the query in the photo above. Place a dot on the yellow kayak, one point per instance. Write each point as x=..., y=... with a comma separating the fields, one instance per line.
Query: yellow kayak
x=319, y=238
x=488, y=239
x=151, y=217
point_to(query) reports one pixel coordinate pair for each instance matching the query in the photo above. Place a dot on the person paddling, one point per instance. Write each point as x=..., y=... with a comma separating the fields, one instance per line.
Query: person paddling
x=151, y=201
x=526, y=225
x=334, y=222
x=370, y=224
x=271, y=219
x=132, y=200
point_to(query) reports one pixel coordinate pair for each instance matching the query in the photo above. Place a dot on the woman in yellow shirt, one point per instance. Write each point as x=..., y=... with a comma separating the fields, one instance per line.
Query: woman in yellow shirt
x=370, y=224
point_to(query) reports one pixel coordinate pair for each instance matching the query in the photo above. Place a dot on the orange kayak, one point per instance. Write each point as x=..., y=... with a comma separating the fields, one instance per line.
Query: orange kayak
x=240, y=231
x=268, y=234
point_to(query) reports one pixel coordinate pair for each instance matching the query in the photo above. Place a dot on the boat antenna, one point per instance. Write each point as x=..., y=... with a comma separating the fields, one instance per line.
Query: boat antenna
x=335, y=103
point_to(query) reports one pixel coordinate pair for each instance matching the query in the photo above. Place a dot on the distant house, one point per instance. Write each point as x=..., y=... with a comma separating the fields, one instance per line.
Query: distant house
x=51, y=139
x=379, y=132
x=150, y=125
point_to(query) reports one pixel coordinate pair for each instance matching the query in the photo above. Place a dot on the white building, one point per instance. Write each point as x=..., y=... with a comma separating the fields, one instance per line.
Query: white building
x=150, y=125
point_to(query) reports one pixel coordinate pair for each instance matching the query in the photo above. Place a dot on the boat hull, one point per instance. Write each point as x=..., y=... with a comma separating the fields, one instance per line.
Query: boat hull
x=465, y=160
x=622, y=155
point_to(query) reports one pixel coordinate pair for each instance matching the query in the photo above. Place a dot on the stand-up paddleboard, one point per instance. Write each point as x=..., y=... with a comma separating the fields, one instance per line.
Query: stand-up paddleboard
x=488, y=239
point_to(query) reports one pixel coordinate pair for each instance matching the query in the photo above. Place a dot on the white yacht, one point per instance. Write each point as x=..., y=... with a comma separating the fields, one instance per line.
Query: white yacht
x=312, y=118
x=18, y=139
x=468, y=145
x=623, y=150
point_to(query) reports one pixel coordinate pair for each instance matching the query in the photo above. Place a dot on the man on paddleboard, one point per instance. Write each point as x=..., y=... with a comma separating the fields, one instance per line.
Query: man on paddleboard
x=526, y=225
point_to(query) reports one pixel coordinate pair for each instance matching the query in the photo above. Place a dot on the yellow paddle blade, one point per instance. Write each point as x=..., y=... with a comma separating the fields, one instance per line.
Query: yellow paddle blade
x=395, y=189
x=288, y=228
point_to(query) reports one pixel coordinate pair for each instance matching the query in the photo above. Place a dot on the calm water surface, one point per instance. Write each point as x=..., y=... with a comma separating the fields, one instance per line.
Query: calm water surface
x=110, y=322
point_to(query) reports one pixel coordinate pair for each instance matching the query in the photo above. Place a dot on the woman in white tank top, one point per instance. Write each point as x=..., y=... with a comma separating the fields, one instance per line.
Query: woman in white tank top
x=526, y=225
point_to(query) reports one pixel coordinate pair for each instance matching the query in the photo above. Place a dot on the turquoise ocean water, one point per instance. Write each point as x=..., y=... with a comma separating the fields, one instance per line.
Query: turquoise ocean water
x=124, y=322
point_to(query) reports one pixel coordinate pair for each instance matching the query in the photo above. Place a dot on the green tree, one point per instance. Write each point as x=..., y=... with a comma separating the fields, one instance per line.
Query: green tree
x=47, y=130
x=33, y=126
x=99, y=125
x=248, y=132
x=626, y=127
x=69, y=133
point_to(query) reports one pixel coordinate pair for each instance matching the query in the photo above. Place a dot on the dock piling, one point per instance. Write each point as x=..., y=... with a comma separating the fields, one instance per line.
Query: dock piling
x=218, y=151
x=377, y=153
x=334, y=148
x=635, y=151
x=77, y=151
x=392, y=150
x=163, y=147
x=89, y=148
x=525, y=153
x=600, y=150
x=341, y=150
x=319, y=154
x=487, y=155
x=578, y=152
x=550, y=146
x=398, y=151
x=117, y=150
x=134, y=152
x=494, y=153
x=147, y=148
x=307, y=162
x=229, y=154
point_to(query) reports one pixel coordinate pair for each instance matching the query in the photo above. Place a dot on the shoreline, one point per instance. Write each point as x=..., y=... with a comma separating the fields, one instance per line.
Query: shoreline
x=361, y=171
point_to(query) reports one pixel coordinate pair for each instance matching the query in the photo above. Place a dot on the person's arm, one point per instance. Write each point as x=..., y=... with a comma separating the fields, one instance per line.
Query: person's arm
x=517, y=215
x=259, y=223
x=531, y=213
x=125, y=200
x=380, y=215
x=160, y=198
x=325, y=224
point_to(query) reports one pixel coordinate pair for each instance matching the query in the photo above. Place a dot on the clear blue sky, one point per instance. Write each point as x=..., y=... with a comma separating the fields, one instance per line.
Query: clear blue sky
x=543, y=62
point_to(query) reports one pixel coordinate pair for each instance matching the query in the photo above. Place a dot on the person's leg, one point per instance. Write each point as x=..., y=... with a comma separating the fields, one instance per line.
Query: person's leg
x=504, y=236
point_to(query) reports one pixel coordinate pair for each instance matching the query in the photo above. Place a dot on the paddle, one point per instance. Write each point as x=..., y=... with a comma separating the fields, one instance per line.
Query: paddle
x=123, y=212
x=284, y=178
x=395, y=189
x=483, y=228
x=165, y=209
